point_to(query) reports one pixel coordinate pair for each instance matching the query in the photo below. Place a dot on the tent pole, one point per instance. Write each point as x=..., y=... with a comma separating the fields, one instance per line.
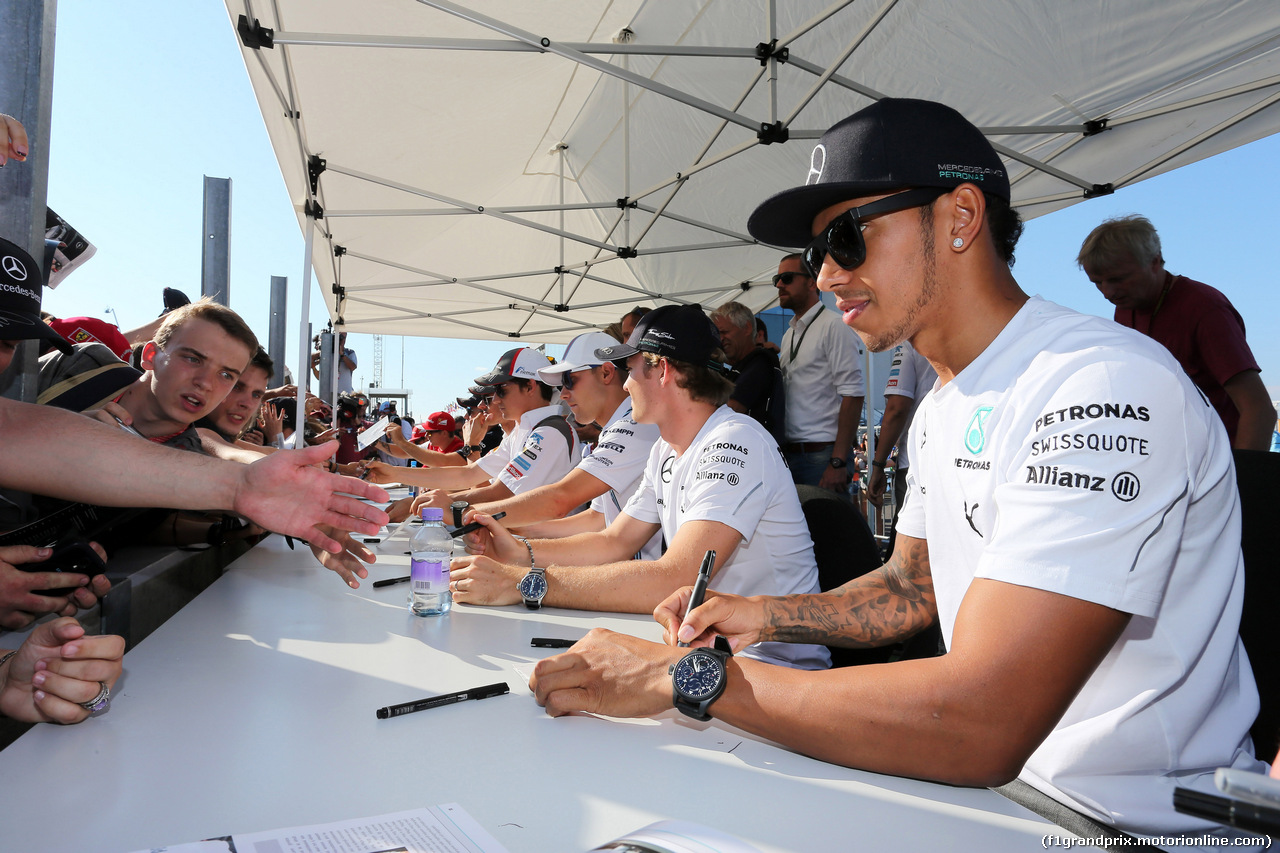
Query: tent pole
x=304, y=332
x=840, y=60
x=560, y=275
x=562, y=49
x=626, y=36
x=772, y=33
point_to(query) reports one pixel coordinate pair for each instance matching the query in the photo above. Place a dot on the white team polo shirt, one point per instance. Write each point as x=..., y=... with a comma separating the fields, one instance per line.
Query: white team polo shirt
x=537, y=456
x=618, y=461
x=733, y=473
x=1075, y=456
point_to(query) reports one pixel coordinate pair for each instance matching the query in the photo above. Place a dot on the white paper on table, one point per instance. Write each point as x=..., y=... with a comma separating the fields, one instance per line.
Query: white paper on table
x=373, y=433
x=441, y=829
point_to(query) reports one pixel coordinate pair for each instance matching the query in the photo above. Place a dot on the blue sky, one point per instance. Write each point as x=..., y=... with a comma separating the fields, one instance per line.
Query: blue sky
x=150, y=96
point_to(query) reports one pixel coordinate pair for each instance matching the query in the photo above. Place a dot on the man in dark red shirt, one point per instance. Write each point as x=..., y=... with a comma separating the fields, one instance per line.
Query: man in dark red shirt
x=1194, y=321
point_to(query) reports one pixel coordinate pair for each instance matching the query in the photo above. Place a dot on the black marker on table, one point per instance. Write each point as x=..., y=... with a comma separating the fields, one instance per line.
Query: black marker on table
x=699, y=588
x=551, y=643
x=390, y=582
x=448, y=699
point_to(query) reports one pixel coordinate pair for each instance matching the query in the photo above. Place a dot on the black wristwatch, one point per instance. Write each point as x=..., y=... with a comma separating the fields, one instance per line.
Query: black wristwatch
x=533, y=587
x=837, y=462
x=699, y=678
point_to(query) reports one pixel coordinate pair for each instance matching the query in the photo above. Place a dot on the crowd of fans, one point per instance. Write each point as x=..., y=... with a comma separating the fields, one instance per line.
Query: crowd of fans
x=601, y=481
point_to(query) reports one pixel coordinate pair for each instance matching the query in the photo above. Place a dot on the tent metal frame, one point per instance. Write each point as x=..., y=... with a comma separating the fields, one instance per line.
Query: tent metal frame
x=618, y=241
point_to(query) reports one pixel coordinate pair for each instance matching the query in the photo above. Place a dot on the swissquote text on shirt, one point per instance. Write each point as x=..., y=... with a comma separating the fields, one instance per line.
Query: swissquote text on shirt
x=618, y=461
x=1076, y=457
x=733, y=473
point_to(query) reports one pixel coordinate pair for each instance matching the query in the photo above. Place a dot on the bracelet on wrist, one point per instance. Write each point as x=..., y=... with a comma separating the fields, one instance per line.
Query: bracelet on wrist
x=529, y=546
x=877, y=463
x=5, y=659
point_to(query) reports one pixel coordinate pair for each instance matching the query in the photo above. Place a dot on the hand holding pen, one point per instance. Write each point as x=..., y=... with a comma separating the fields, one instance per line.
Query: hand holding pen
x=699, y=587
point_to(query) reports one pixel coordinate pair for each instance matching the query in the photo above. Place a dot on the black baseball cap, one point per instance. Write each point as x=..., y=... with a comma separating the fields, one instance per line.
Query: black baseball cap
x=21, y=289
x=894, y=144
x=519, y=363
x=681, y=332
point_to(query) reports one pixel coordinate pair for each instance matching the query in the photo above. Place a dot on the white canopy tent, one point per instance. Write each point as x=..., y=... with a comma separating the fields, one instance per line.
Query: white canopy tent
x=532, y=170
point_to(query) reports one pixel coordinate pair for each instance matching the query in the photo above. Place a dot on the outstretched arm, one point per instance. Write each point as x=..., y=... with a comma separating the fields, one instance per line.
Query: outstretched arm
x=281, y=492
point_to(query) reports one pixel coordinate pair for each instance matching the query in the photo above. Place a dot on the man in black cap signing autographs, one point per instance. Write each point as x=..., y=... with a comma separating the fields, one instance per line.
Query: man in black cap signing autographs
x=714, y=481
x=1073, y=523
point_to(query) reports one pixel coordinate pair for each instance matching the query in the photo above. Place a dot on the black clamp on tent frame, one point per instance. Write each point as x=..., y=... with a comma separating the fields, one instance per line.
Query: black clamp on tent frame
x=745, y=285
x=625, y=252
x=561, y=308
x=624, y=203
x=1094, y=127
x=771, y=133
x=313, y=209
x=768, y=50
x=339, y=251
x=255, y=35
x=1099, y=190
x=315, y=166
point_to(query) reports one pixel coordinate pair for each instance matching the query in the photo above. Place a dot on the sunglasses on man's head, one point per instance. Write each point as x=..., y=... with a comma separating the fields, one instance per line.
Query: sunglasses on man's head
x=842, y=238
x=567, y=379
x=787, y=277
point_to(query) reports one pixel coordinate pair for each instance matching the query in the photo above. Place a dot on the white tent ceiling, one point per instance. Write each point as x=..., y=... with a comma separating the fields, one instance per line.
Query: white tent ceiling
x=470, y=153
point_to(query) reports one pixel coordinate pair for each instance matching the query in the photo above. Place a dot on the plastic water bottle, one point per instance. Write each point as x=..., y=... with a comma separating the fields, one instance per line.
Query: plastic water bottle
x=432, y=549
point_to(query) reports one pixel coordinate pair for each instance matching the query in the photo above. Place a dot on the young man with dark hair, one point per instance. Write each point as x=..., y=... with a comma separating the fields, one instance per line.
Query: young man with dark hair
x=714, y=481
x=238, y=411
x=1073, y=522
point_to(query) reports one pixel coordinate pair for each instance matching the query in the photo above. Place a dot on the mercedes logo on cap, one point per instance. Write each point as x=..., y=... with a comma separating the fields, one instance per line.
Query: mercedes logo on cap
x=817, y=162
x=13, y=267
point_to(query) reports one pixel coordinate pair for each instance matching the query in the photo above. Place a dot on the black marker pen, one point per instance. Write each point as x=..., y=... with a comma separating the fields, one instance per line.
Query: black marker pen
x=699, y=588
x=448, y=699
x=551, y=643
x=390, y=582
x=474, y=526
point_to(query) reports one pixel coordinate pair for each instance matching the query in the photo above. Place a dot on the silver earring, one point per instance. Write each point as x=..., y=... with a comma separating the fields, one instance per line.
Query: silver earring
x=958, y=242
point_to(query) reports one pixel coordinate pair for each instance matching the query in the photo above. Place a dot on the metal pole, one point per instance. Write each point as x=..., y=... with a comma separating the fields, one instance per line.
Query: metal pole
x=276, y=328
x=335, y=367
x=215, y=261
x=26, y=79
x=304, y=332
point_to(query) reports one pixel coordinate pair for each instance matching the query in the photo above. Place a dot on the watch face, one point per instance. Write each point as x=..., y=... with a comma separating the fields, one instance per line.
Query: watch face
x=533, y=586
x=698, y=675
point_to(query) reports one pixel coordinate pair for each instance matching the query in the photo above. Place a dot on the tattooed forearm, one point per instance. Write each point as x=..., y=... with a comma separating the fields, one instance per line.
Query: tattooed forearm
x=889, y=604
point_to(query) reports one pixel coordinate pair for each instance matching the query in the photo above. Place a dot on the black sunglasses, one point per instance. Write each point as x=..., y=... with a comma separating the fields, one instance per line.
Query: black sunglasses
x=787, y=277
x=842, y=239
x=568, y=381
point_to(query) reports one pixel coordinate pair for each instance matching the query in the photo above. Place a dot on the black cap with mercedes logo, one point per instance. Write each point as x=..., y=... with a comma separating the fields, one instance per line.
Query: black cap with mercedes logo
x=681, y=332
x=20, y=292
